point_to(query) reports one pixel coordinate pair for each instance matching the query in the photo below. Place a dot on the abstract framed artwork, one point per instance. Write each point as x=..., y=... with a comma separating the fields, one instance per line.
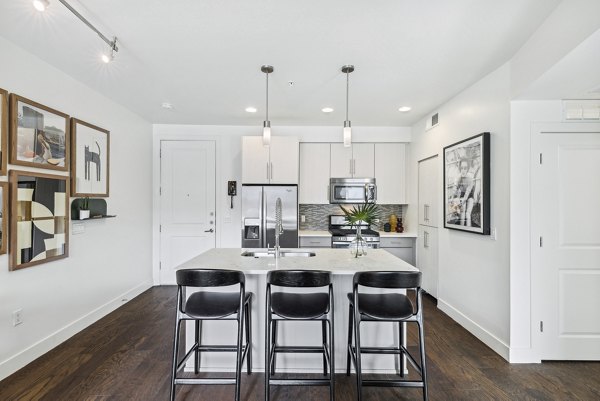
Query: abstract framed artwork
x=467, y=185
x=39, y=218
x=3, y=216
x=3, y=131
x=90, y=159
x=39, y=135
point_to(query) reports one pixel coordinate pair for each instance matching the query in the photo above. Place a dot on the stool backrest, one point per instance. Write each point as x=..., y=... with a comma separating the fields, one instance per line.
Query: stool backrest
x=299, y=278
x=388, y=279
x=209, y=277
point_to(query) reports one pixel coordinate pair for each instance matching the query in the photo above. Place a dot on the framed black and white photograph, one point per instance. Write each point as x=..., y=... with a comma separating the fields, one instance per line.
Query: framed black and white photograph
x=3, y=131
x=39, y=135
x=467, y=185
x=90, y=159
x=3, y=217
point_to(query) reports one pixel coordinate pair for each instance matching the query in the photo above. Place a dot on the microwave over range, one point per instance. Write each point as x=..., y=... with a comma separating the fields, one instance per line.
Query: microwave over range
x=352, y=190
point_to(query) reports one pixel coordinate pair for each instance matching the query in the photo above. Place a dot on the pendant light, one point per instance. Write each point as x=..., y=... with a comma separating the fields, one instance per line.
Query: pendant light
x=267, y=69
x=347, y=69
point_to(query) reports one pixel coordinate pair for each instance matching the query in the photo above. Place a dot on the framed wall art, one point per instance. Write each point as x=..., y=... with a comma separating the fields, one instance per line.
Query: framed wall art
x=467, y=185
x=90, y=158
x=3, y=217
x=3, y=131
x=39, y=135
x=39, y=218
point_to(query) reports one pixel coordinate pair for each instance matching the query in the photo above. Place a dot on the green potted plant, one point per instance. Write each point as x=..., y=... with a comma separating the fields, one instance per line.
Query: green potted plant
x=365, y=213
x=84, y=208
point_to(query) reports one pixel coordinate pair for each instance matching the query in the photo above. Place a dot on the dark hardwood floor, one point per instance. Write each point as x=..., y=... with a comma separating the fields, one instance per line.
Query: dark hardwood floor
x=127, y=354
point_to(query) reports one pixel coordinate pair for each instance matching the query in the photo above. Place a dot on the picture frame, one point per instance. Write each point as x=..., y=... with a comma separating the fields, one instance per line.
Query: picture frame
x=90, y=159
x=39, y=218
x=467, y=185
x=39, y=135
x=3, y=131
x=4, y=217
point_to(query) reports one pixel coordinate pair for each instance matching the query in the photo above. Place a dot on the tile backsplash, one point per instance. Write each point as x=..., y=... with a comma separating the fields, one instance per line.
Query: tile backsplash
x=317, y=216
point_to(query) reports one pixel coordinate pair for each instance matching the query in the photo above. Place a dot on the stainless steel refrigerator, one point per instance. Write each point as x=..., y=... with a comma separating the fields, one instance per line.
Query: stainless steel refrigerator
x=258, y=215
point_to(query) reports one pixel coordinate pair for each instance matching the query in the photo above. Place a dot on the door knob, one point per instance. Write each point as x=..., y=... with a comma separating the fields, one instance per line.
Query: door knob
x=209, y=231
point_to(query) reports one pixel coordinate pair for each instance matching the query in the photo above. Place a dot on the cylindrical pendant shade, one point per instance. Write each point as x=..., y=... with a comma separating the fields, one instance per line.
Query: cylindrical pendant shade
x=347, y=134
x=267, y=133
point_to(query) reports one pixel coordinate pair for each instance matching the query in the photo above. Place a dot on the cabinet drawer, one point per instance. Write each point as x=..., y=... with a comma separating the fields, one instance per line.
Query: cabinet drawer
x=391, y=242
x=315, y=242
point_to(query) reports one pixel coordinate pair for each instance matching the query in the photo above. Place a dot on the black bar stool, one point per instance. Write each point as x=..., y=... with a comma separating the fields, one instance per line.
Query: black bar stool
x=283, y=306
x=389, y=307
x=204, y=305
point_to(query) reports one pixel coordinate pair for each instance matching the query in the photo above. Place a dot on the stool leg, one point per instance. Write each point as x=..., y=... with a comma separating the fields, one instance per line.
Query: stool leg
x=198, y=340
x=267, y=353
x=274, y=344
x=238, y=364
x=422, y=352
x=249, y=337
x=175, y=353
x=332, y=357
x=324, y=335
x=349, y=355
x=357, y=367
x=400, y=343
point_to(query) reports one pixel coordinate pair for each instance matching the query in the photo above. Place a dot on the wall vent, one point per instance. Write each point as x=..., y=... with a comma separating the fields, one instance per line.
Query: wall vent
x=433, y=122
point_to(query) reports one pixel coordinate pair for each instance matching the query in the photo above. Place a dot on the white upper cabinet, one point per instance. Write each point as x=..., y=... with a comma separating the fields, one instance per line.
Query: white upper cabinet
x=274, y=164
x=363, y=160
x=357, y=160
x=341, y=161
x=390, y=173
x=314, y=173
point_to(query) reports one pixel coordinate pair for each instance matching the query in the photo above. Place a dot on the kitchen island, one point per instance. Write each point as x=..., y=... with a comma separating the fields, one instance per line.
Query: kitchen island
x=341, y=264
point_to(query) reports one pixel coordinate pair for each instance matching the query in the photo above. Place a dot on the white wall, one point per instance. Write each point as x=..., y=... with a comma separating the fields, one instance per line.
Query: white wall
x=111, y=260
x=229, y=164
x=473, y=269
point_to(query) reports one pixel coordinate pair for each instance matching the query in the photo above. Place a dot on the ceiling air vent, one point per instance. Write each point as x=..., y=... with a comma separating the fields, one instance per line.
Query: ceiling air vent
x=433, y=121
x=581, y=110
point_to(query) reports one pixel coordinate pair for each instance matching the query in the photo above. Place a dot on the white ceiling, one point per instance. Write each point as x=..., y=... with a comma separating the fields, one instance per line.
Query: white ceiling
x=204, y=56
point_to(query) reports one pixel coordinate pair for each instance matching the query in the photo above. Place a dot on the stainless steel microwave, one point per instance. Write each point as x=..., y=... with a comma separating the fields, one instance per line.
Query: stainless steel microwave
x=352, y=190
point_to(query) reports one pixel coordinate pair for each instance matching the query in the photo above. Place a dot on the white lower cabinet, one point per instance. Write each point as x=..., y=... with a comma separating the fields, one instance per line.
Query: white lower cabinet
x=404, y=248
x=427, y=258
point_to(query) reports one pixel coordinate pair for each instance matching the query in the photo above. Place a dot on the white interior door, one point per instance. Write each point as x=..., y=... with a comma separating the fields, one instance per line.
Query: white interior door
x=565, y=233
x=187, y=203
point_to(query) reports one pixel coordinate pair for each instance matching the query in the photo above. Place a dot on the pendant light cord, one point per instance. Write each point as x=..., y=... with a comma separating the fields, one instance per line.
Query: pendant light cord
x=347, y=93
x=267, y=96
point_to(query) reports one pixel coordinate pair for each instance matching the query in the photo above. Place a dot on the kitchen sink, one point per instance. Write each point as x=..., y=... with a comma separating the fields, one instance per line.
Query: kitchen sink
x=286, y=254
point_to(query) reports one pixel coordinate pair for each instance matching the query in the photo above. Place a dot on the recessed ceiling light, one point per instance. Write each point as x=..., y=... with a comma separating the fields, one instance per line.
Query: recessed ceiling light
x=40, y=5
x=251, y=109
x=405, y=109
x=106, y=58
x=167, y=105
x=327, y=110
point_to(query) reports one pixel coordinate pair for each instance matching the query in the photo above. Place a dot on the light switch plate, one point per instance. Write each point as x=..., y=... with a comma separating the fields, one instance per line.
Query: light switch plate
x=494, y=234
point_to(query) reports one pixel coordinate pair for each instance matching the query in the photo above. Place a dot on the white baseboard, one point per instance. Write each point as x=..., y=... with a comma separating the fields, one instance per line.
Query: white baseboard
x=523, y=355
x=26, y=356
x=482, y=334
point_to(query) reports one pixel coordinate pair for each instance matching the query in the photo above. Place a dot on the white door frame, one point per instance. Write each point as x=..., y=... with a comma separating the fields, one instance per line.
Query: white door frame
x=156, y=140
x=539, y=129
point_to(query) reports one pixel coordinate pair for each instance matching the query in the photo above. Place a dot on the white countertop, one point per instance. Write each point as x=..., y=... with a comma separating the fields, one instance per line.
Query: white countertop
x=314, y=233
x=338, y=261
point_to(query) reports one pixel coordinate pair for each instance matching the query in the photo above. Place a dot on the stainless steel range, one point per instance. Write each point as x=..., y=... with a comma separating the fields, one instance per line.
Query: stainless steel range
x=342, y=234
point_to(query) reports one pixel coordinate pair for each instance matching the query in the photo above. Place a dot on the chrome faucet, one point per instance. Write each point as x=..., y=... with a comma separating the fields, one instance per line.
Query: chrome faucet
x=278, y=227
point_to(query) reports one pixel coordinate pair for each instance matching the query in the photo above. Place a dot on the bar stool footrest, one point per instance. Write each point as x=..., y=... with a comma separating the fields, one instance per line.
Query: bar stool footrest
x=392, y=383
x=204, y=381
x=292, y=349
x=300, y=382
